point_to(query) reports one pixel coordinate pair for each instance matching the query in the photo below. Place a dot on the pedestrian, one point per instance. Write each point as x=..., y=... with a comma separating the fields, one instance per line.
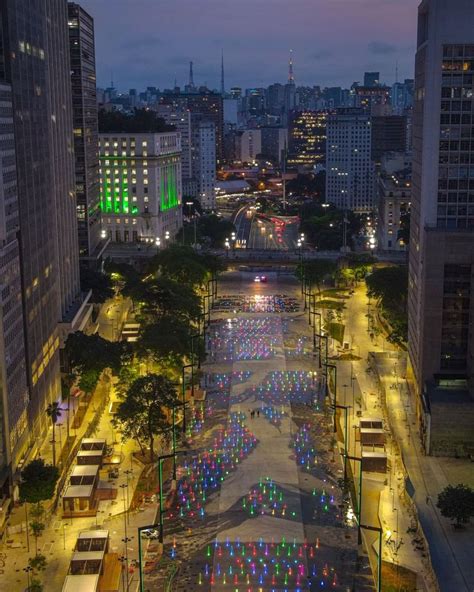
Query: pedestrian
x=258, y=412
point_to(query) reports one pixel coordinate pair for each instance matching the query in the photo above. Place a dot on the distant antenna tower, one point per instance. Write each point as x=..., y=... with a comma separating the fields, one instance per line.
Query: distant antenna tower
x=222, y=74
x=291, y=76
x=191, y=75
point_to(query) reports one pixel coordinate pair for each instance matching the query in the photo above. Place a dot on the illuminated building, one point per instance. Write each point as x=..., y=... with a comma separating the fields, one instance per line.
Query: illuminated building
x=250, y=144
x=349, y=168
x=36, y=63
x=376, y=99
x=204, y=162
x=86, y=148
x=207, y=106
x=140, y=186
x=441, y=271
x=307, y=139
x=13, y=385
x=394, y=191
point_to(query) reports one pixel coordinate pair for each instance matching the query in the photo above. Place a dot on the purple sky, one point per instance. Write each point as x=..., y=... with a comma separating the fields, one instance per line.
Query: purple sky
x=150, y=42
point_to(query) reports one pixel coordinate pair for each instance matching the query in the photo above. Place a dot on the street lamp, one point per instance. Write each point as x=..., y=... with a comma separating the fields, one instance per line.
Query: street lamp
x=158, y=242
x=161, y=459
x=167, y=235
x=227, y=246
x=346, y=440
x=27, y=570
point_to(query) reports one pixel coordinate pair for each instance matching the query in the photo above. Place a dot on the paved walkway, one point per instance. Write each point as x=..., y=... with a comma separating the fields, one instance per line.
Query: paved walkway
x=276, y=520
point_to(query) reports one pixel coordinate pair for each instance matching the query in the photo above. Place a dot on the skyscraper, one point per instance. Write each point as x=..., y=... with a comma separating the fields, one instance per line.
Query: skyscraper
x=349, y=169
x=37, y=66
x=13, y=385
x=441, y=273
x=86, y=149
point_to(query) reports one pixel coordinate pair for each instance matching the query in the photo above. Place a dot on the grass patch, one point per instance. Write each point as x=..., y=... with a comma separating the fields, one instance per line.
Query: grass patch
x=330, y=304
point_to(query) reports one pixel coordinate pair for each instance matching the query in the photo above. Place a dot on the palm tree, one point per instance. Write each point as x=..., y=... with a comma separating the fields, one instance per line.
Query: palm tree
x=53, y=411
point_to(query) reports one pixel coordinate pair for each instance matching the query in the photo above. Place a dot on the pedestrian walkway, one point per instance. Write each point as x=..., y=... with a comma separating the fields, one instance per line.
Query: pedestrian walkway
x=258, y=503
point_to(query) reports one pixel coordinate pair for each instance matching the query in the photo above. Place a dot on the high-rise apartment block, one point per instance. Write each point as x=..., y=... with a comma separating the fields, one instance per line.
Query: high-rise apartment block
x=141, y=192
x=86, y=148
x=441, y=275
x=349, y=168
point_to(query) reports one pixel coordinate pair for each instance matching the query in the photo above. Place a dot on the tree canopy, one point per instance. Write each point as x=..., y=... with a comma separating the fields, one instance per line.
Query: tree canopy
x=316, y=271
x=141, y=415
x=38, y=481
x=389, y=285
x=323, y=226
x=166, y=340
x=140, y=121
x=456, y=502
x=93, y=353
x=100, y=284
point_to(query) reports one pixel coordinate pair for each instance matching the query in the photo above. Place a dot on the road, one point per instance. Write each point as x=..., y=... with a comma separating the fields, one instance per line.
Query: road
x=258, y=504
x=254, y=231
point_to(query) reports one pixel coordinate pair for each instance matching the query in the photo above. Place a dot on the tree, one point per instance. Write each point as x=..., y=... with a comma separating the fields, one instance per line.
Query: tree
x=140, y=121
x=37, y=529
x=181, y=264
x=100, y=284
x=316, y=271
x=456, y=502
x=166, y=340
x=215, y=229
x=36, y=586
x=38, y=482
x=389, y=285
x=162, y=296
x=92, y=352
x=53, y=411
x=141, y=415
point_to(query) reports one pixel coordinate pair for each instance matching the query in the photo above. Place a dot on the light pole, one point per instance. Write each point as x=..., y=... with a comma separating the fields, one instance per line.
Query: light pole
x=346, y=439
x=184, y=391
x=161, y=459
x=379, y=559
x=234, y=238
x=64, y=536
x=359, y=510
x=158, y=243
x=333, y=367
x=27, y=570
x=227, y=247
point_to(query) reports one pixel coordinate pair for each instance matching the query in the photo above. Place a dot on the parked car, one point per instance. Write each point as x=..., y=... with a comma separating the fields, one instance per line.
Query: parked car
x=150, y=534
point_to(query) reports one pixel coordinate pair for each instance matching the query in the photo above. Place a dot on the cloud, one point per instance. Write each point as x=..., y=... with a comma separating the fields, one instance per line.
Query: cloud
x=381, y=48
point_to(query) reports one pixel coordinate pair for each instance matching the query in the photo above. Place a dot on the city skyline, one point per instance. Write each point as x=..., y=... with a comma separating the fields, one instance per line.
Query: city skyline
x=128, y=43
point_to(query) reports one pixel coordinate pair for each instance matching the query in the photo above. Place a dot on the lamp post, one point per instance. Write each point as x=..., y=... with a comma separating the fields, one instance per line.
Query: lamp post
x=27, y=570
x=379, y=559
x=161, y=459
x=184, y=391
x=346, y=439
x=359, y=509
x=227, y=247
x=333, y=367
x=233, y=236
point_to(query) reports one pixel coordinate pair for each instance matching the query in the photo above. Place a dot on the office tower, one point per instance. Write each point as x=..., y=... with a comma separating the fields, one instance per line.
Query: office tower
x=389, y=134
x=231, y=111
x=333, y=97
x=375, y=99
x=250, y=144
x=274, y=143
x=205, y=105
x=371, y=79
x=140, y=181
x=402, y=96
x=394, y=196
x=86, y=148
x=275, y=99
x=307, y=139
x=349, y=169
x=37, y=65
x=204, y=161
x=236, y=92
x=441, y=275
x=180, y=118
x=13, y=384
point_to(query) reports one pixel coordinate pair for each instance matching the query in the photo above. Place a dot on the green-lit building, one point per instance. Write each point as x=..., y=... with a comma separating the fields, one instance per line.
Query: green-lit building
x=140, y=186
